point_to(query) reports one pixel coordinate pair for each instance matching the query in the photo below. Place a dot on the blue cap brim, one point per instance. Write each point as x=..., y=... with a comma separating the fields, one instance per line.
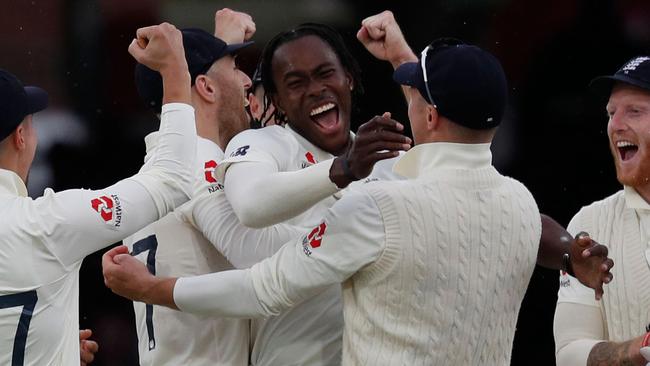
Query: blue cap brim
x=602, y=85
x=37, y=99
x=233, y=48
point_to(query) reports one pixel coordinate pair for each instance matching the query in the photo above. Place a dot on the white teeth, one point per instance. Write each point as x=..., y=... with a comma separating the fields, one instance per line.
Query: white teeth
x=321, y=109
x=624, y=144
x=246, y=102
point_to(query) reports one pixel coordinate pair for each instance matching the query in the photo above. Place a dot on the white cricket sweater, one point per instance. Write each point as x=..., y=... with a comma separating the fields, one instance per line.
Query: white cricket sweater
x=433, y=268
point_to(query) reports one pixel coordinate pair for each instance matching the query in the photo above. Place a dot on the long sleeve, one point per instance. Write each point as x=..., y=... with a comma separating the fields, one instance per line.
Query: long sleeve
x=77, y=222
x=263, y=181
x=329, y=253
x=262, y=196
x=241, y=245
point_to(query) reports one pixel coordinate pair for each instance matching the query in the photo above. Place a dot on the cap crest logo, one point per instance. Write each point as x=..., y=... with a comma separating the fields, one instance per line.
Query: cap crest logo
x=633, y=64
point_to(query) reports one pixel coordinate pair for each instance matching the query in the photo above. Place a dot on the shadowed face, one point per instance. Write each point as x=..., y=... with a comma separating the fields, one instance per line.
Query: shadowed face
x=314, y=92
x=231, y=86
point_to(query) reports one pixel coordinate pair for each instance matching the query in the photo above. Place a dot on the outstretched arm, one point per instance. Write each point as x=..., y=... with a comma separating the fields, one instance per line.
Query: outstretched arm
x=233, y=26
x=77, y=222
x=262, y=195
x=383, y=38
x=581, y=256
x=326, y=255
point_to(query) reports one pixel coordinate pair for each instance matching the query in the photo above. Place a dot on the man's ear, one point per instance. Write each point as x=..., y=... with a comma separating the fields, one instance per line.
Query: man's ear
x=205, y=88
x=350, y=80
x=433, y=118
x=254, y=105
x=18, y=137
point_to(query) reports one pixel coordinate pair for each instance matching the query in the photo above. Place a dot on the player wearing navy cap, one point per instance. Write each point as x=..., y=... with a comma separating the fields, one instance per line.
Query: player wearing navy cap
x=44, y=240
x=423, y=262
x=614, y=330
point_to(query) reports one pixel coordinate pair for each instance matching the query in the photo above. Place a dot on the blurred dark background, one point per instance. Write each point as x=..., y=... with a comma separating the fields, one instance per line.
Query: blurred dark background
x=553, y=139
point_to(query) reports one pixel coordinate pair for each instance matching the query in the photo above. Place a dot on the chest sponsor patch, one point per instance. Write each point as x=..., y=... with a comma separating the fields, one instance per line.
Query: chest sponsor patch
x=109, y=209
x=309, y=160
x=314, y=238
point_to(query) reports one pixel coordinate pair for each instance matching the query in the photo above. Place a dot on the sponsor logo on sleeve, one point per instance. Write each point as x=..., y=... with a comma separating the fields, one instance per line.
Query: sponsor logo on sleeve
x=109, y=209
x=241, y=151
x=210, y=166
x=309, y=160
x=314, y=238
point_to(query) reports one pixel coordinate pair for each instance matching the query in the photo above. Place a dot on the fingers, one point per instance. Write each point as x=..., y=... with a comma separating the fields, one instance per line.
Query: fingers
x=91, y=346
x=599, y=292
x=598, y=250
x=381, y=122
x=85, y=334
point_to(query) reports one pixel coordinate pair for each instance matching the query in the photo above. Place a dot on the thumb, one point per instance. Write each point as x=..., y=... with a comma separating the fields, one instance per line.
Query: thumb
x=121, y=258
x=386, y=115
x=362, y=35
x=135, y=49
x=583, y=240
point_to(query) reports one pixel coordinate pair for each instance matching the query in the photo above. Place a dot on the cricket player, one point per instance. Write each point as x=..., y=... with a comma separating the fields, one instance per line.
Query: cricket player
x=43, y=241
x=378, y=240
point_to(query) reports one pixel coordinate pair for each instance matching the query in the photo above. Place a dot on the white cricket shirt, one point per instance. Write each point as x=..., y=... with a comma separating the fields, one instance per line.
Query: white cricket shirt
x=43, y=241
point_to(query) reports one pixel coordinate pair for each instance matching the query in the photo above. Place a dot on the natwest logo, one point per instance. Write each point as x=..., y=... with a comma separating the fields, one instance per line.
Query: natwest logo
x=109, y=208
x=314, y=238
x=310, y=160
x=210, y=166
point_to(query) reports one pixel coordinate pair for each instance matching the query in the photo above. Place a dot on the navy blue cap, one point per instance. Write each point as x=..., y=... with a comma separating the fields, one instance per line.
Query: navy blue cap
x=635, y=72
x=202, y=49
x=465, y=83
x=17, y=101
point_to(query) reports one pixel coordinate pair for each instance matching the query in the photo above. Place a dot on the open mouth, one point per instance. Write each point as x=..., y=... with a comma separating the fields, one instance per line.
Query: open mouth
x=626, y=150
x=326, y=117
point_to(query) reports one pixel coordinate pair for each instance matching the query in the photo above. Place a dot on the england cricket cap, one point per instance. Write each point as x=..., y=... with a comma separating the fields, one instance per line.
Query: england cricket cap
x=463, y=82
x=17, y=101
x=202, y=49
x=635, y=72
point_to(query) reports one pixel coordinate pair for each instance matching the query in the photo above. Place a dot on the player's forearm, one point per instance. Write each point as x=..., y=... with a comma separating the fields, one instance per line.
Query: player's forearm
x=176, y=84
x=160, y=292
x=554, y=242
x=263, y=198
x=617, y=354
x=227, y=293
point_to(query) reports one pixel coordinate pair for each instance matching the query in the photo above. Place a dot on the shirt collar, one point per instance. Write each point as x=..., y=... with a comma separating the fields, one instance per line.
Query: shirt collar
x=634, y=200
x=11, y=183
x=423, y=158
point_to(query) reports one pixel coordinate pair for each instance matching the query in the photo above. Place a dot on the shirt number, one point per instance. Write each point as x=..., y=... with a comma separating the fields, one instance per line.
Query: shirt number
x=148, y=244
x=28, y=301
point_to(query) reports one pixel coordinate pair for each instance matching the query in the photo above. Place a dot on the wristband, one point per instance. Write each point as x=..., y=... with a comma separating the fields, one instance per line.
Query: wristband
x=566, y=264
x=346, y=169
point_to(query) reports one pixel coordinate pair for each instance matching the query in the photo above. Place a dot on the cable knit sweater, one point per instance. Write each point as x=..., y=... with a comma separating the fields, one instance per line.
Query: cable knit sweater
x=623, y=312
x=434, y=268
